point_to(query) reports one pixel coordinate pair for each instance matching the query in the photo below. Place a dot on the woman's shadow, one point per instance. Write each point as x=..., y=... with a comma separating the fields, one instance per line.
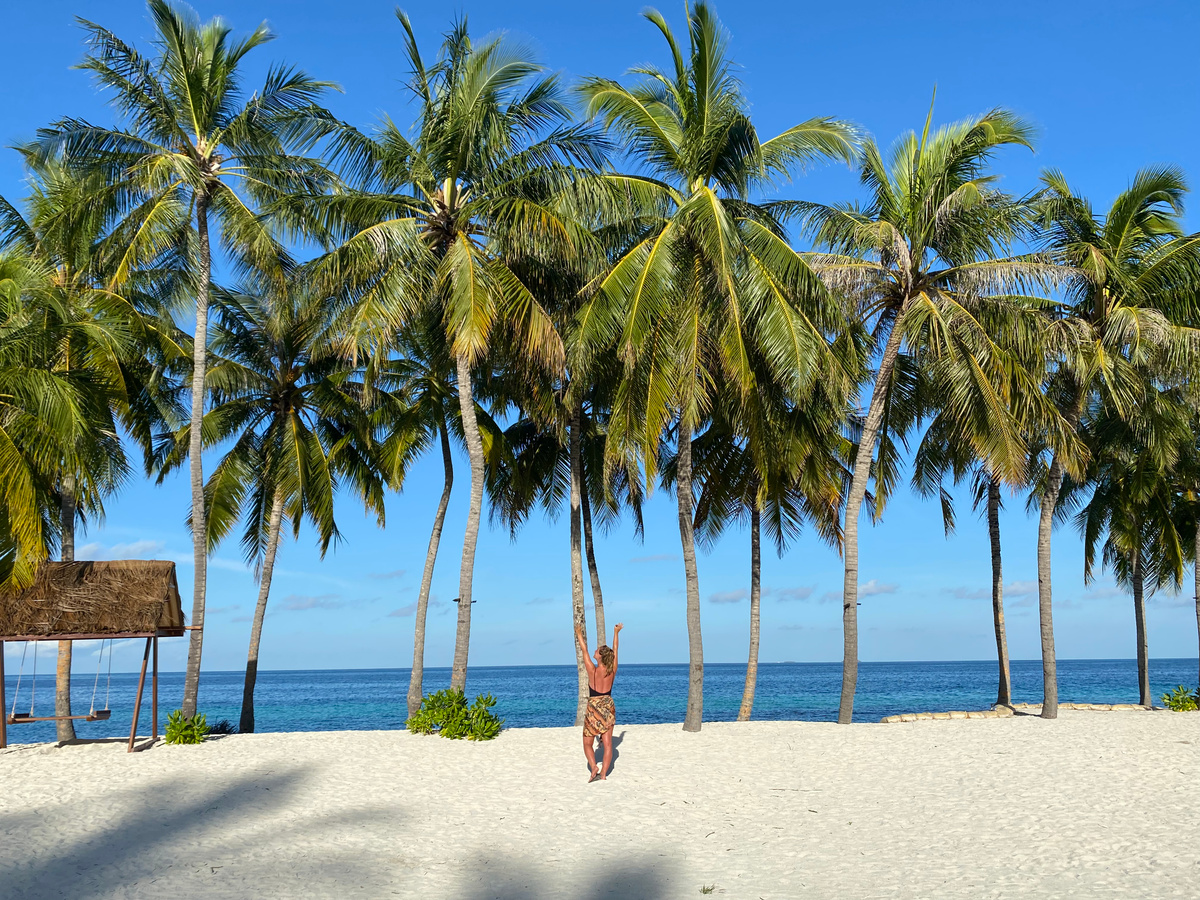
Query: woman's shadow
x=599, y=746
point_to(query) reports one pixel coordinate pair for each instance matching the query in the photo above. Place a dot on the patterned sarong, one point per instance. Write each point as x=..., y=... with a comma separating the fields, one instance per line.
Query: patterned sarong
x=601, y=716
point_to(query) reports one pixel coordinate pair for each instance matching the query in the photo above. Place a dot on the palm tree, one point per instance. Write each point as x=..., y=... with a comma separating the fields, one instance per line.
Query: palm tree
x=294, y=416
x=1132, y=503
x=923, y=261
x=434, y=221
x=1136, y=276
x=763, y=455
x=705, y=274
x=194, y=143
x=95, y=326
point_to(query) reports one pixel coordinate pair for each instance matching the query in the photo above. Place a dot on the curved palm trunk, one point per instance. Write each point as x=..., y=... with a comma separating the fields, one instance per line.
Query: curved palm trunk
x=462, y=634
x=755, y=596
x=585, y=509
x=191, y=682
x=246, y=724
x=858, y=490
x=1139, y=617
x=65, y=728
x=415, y=682
x=1004, y=688
x=683, y=494
x=577, y=603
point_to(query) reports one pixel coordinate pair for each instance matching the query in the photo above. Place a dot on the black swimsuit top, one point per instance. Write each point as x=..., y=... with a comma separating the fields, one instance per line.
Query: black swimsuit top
x=592, y=692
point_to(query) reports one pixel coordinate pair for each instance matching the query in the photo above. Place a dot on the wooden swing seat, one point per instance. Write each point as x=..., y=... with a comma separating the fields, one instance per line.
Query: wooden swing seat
x=98, y=715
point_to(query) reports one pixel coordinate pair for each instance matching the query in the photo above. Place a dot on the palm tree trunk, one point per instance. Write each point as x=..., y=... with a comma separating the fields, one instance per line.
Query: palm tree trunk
x=1004, y=689
x=462, y=635
x=1045, y=608
x=191, y=683
x=1045, y=595
x=1139, y=618
x=683, y=493
x=585, y=509
x=858, y=490
x=65, y=728
x=577, y=604
x=1196, y=589
x=755, y=596
x=415, y=682
x=246, y=725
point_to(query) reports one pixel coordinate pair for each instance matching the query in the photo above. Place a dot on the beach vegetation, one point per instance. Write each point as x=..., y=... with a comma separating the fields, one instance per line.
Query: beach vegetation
x=184, y=729
x=1182, y=699
x=446, y=713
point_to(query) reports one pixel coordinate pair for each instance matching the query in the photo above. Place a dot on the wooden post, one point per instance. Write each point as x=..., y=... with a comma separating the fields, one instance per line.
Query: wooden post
x=137, y=706
x=3, y=703
x=154, y=692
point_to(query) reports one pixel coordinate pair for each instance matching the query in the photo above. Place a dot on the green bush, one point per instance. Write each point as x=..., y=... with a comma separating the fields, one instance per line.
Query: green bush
x=183, y=730
x=1182, y=700
x=446, y=713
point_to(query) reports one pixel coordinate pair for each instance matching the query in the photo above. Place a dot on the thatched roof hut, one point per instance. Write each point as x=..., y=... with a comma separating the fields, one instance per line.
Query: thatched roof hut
x=71, y=599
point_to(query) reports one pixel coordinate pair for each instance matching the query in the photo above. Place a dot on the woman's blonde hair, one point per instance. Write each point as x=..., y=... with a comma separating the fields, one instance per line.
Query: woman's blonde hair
x=607, y=657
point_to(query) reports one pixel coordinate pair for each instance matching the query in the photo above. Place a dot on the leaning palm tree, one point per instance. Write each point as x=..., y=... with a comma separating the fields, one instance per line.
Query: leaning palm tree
x=706, y=275
x=294, y=418
x=1124, y=317
x=923, y=258
x=434, y=220
x=195, y=144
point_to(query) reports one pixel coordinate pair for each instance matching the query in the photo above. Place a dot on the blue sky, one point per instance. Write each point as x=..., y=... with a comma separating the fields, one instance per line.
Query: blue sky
x=1109, y=89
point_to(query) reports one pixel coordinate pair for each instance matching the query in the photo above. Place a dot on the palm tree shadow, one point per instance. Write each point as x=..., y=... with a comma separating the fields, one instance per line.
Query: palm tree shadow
x=640, y=880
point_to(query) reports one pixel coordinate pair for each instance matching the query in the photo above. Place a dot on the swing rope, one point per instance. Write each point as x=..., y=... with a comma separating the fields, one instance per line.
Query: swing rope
x=33, y=684
x=96, y=683
x=20, y=675
x=108, y=684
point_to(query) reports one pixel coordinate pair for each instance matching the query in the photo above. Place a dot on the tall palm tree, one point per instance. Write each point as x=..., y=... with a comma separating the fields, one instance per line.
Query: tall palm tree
x=764, y=456
x=195, y=144
x=1136, y=277
x=293, y=415
x=706, y=273
x=923, y=258
x=72, y=224
x=1132, y=506
x=434, y=220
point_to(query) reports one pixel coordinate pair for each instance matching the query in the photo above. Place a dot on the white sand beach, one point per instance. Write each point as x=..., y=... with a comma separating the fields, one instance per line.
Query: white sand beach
x=1096, y=804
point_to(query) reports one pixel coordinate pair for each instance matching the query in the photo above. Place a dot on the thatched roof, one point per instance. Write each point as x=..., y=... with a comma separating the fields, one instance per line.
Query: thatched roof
x=129, y=596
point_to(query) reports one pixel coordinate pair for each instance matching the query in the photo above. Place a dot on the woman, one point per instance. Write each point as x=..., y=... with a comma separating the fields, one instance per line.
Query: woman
x=601, y=711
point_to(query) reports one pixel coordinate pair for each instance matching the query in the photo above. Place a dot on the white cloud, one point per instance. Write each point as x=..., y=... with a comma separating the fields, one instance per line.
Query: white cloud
x=217, y=610
x=873, y=587
x=727, y=596
x=144, y=549
x=403, y=612
x=299, y=602
x=1104, y=592
x=1020, y=588
x=830, y=597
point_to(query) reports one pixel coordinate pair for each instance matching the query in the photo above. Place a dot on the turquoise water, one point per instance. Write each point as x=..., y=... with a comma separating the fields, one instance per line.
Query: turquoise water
x=530, y=696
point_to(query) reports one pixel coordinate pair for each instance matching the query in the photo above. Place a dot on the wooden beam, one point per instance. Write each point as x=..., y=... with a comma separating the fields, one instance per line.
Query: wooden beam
x=137, y=706
x=154, y=692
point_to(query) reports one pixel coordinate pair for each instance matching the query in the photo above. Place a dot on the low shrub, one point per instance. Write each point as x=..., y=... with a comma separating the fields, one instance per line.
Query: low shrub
x=184, y=730
x=1182, y=700
x=446, y=713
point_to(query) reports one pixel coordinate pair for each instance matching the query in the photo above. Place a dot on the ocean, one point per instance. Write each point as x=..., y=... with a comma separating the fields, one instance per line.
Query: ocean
x=539, y=696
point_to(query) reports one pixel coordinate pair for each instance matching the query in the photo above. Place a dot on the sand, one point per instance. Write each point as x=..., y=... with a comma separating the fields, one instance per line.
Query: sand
x=1093, y=805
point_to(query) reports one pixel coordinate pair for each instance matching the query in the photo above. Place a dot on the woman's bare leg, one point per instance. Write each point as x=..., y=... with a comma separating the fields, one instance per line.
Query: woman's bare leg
x=608, y=753
x=589, y=750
